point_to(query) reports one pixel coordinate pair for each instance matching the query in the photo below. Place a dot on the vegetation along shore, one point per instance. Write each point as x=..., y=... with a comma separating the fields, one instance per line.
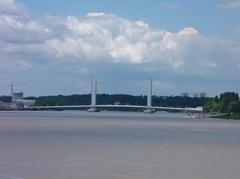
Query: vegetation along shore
x=227, y=105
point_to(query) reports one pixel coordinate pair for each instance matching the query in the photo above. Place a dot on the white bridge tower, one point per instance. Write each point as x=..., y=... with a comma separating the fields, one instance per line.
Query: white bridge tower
x=149, y=98
x=93, y=96
x=93, y=92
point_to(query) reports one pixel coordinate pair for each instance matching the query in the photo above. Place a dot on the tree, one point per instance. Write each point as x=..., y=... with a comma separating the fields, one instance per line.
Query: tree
x=234, y=106
x=227, y=102
x=212, y=106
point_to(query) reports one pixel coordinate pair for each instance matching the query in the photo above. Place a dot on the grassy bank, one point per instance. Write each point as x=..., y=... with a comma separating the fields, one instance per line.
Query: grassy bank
x=235, y=116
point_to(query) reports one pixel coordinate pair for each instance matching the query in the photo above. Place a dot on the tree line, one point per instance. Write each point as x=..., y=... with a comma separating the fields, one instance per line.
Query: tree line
x=124, y=99
x=5, y=99
x=227, y=102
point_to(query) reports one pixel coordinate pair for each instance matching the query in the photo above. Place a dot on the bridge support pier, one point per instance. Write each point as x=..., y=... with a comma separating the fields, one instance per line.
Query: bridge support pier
x=149, y=110
x=93, y=109
x=197, y=115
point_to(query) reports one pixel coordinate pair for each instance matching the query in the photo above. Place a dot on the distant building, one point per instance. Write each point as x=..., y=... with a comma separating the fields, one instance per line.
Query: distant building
x=20, y=102
x=17, y=96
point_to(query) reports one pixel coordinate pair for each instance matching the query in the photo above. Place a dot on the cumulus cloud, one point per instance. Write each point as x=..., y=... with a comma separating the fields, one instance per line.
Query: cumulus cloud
x=104, y=38
x=11, y=7
x=16, y=26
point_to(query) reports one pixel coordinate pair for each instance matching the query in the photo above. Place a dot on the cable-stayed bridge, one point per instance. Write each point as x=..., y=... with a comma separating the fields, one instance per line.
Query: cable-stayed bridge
x=94, y=107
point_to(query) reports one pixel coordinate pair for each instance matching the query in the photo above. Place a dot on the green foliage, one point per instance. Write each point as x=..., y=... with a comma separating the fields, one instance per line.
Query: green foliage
x=229, y=96
x=211, y=106
x=234, y=106
x=61, y=100
x=228, y=102
x=173, y=101
x=226, y=99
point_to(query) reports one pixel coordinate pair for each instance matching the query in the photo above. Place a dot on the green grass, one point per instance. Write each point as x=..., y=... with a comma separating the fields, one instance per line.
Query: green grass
x=235, y=116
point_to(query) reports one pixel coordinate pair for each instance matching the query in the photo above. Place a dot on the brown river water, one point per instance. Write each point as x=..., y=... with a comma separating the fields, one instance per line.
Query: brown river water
x=117, y=145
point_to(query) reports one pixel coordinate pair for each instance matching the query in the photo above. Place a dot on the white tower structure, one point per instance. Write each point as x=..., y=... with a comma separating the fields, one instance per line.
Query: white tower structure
x=149, y=97
x=11, y=88
x=93, y=96
x=94, y=92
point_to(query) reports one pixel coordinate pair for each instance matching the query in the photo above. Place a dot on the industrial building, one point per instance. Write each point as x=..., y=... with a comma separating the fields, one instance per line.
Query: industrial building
x=19, y=101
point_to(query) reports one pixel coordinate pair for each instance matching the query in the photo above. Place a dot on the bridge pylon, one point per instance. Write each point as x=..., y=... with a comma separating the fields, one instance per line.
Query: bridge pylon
x=149, y=98
x=93, y=96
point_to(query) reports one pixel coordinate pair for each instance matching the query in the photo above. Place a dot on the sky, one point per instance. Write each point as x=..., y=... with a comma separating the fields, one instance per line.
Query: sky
x=56, y=47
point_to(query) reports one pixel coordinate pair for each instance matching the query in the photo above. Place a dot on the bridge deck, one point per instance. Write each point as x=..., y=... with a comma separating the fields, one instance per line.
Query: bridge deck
x=198, y=109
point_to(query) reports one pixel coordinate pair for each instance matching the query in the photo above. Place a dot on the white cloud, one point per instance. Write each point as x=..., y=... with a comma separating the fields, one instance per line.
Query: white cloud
x=111, y=46
x=16, y=25
x=120, y=40
x=188, y=31
x=68, y=47
x=95, y=14
x=142, y=24
x=121, y=49
x=11, y=7
x=101, y=37
x=87, y=28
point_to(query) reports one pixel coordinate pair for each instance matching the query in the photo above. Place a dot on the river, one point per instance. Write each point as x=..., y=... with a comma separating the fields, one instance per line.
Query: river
x=117, y=145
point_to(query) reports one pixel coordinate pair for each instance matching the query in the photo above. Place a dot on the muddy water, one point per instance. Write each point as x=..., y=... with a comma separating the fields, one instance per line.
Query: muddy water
x=115, y=145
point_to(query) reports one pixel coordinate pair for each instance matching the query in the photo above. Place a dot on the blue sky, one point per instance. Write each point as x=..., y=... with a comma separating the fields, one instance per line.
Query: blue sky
x=55, y=47
x=204, y=15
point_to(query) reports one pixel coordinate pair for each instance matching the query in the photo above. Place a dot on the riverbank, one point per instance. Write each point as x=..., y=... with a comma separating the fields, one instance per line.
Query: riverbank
x=234, y=116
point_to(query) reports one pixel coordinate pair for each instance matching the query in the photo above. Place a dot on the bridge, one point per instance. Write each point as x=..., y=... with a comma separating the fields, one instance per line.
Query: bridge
x=94, y=107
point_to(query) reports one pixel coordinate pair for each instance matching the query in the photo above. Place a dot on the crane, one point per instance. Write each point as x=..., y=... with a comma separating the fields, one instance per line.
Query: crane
x=11, y=85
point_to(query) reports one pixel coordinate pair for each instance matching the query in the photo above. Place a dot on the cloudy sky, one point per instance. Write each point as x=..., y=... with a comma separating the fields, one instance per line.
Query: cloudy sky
x=55, y=47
